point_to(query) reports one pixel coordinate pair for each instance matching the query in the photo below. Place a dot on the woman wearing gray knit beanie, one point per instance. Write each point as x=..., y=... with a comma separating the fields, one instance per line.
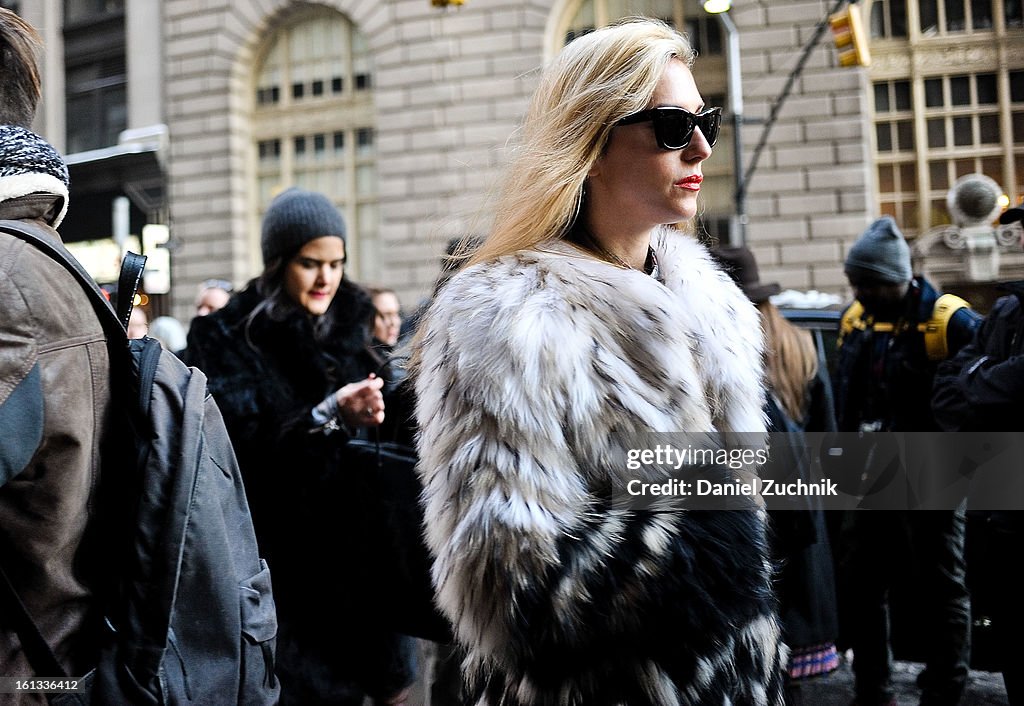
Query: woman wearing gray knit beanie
x=288, y=362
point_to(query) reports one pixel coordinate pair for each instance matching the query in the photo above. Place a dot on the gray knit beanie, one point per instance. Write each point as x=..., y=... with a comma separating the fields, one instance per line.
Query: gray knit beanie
x=294, y=218
x=880, y=253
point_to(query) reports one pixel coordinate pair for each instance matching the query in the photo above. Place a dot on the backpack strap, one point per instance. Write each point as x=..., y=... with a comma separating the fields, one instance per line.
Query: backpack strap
x=853, y=319
x=132, y=266
x=37, y=651
x=934, y=329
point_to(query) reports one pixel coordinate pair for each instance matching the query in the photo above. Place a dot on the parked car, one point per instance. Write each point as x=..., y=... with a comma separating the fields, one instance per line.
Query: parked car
x=824, y=327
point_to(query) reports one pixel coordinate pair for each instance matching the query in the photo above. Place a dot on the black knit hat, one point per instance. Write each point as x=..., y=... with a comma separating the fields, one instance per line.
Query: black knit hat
x=294, y=218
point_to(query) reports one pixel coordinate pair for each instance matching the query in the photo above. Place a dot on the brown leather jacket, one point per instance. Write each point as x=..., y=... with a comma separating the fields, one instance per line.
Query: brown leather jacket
x=54, y=400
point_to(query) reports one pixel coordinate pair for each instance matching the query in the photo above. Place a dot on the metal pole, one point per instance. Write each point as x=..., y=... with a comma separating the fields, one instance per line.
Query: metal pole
x=738, y=227
x=121, y=221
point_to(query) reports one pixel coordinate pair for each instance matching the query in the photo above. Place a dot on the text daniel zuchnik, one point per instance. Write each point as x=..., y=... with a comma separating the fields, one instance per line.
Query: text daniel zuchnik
x=737, y=487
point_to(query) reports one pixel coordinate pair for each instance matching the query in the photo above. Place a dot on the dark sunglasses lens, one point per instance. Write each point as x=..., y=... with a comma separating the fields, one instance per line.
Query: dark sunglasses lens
x=709, y=124
x=675, y=130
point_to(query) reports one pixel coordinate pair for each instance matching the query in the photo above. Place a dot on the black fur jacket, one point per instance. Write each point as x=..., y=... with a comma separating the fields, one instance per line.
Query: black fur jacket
x=534, y=370
x=267, y=375
x=304, y=489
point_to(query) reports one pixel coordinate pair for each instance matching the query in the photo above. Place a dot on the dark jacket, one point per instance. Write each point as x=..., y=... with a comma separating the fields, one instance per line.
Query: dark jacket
x=54, y=400
x=982, y=387
x=399, y=425
x=805, y=581
x=267, y=376
x=885, y=378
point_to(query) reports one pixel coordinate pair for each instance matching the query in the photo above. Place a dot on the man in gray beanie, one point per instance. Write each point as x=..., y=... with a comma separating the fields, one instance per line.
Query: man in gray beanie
x=892, y=339
x=881, y=251
x=878, y=267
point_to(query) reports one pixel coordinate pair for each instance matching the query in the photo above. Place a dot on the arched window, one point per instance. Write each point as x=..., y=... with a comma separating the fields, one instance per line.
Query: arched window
x=955, y=108
x=577, y=17
x=313, y=124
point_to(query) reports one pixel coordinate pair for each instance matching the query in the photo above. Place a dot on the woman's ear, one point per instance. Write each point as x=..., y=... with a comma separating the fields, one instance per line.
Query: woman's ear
x=595, y=168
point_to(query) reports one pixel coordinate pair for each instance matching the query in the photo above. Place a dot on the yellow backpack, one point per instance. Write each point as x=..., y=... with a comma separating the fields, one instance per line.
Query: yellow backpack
x=934, y=329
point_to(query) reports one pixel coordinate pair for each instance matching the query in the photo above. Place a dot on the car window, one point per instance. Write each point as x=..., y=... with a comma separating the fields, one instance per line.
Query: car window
x=824, y=327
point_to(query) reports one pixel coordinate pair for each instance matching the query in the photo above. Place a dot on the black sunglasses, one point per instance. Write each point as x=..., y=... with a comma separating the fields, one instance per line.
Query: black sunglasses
x=673, y=127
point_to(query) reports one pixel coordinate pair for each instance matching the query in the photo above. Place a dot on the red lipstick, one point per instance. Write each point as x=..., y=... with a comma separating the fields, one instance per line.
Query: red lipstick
x=691, y=182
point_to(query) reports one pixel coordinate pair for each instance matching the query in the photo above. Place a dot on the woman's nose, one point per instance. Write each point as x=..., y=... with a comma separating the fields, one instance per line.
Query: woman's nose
x=699, y=147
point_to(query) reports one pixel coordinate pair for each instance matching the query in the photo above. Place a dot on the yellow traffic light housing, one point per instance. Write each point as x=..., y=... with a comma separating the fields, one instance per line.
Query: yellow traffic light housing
x=850, y=40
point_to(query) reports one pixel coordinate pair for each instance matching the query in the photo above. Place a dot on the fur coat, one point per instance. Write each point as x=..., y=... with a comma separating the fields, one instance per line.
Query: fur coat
x=532, y=367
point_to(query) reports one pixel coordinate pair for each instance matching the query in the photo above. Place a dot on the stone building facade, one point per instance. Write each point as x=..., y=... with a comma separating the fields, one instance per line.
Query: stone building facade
x=405, y=113
x=448, y=90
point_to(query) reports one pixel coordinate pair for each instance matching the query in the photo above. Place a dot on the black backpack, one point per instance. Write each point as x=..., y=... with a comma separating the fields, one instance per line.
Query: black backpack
x=189, y=614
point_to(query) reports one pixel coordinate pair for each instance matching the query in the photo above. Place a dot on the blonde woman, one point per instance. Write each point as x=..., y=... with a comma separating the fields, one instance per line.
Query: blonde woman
x=583, y=320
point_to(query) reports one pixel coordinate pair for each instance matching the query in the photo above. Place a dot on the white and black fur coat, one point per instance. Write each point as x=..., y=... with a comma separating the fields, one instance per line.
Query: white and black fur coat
x=532, y=367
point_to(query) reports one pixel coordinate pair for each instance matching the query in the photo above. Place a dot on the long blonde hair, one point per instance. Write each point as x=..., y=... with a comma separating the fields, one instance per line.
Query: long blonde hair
x=596, y=80
x=791, y=360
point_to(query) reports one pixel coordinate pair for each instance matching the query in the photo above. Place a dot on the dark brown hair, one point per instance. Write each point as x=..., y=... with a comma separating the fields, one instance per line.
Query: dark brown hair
x=20, y=87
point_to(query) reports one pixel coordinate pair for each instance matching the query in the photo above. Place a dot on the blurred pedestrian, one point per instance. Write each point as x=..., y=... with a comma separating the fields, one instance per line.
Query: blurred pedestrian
x=170, y=332
x=981, y=389
x=213, y=295
x=884, y=377
x=387, y=320
x=289, y=364
x=138, y=322
x=399, y=426
x=456, y=253
x=582, y=322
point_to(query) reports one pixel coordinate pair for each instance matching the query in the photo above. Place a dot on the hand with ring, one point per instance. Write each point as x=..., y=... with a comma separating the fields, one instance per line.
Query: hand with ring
x=361, y=403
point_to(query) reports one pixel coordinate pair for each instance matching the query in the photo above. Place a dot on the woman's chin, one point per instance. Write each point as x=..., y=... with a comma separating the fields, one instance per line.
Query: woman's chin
x=316, y=308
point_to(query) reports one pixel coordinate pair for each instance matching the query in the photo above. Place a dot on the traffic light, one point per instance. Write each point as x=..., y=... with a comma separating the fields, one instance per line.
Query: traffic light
x=850, y=40
x=446, y=3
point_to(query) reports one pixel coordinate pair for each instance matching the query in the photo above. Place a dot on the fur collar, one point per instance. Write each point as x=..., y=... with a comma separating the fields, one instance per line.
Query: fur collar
x=244, y=347
x=693, y=343
x=19, y=185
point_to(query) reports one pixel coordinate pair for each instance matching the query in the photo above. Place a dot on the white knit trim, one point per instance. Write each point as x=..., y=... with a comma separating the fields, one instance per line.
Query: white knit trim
x=18, y=185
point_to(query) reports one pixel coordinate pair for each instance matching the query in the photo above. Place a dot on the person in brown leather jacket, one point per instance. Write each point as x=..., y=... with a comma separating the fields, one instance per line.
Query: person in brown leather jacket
x=54, y=394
